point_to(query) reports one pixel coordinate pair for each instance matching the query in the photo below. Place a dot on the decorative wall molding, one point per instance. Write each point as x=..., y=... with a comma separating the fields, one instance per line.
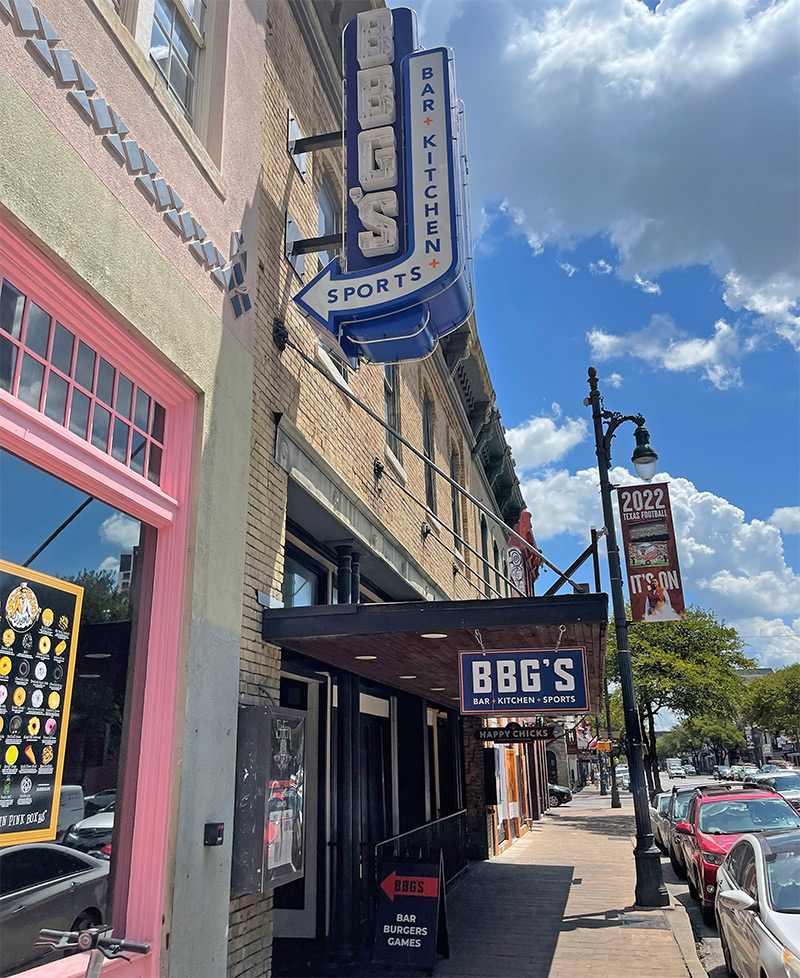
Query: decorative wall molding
x=42, y=42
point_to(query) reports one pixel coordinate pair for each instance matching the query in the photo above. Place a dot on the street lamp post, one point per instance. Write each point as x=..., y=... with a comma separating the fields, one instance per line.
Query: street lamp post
x=650, y=888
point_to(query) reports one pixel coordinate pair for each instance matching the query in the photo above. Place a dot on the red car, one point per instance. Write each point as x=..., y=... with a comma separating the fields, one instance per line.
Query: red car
x=714, y=821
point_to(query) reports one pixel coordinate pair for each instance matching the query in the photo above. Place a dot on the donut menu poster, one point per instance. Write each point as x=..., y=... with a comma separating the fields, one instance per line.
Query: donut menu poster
x=39, y=618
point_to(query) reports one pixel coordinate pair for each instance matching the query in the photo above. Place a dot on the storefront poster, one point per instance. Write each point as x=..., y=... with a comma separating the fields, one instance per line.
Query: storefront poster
x=651, y=554
x=269, y=828
x=40, y=620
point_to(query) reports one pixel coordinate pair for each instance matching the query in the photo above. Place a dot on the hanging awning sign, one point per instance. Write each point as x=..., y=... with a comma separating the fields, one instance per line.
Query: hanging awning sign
x=519, y=682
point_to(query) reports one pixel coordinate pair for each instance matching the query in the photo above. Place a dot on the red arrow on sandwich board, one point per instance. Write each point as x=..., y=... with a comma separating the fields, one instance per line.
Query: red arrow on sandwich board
x=420, y=886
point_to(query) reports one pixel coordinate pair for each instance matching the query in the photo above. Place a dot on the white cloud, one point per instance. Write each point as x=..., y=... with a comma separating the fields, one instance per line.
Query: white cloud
x=566, y=267
x=661, y=343
x=541, y=441
x=672, y=133
x=600, y=267
x=770, y=640
x=614, y=380
x=735, y=567
x=787, y=519
x=121, y=530
x=652, y=288
x=109, y=564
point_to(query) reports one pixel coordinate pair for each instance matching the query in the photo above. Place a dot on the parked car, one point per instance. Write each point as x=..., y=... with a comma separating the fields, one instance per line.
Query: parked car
x=97, y=802
x=659, y=819
x=758, y=905
x=720, y=772
x=690, y=770
x=766, y=768
x=749, y=771
x=559, y=795
x=714, y=821
x=735, y=772
x=786, y=783
x=44, y=885
x=677, y=811
x=71, y=809
x=91, y=833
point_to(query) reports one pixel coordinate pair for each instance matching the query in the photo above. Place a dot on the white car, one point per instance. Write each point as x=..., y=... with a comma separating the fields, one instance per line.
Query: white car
x=758, y=905
x=676, y=772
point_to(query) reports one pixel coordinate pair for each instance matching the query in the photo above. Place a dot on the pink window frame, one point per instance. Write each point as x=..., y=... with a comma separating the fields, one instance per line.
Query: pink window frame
x=32, y=436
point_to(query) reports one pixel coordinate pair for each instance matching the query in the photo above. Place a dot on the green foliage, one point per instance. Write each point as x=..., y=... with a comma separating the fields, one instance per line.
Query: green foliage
x=693, y=734
x=772, y=702
x=688, y=666
x=101, y=599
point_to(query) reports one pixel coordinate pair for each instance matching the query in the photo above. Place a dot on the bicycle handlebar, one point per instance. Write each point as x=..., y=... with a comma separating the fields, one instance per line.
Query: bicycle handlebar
x=114, y=944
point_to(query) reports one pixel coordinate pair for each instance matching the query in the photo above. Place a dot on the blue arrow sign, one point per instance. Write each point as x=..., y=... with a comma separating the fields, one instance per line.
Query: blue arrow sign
x=399, y=310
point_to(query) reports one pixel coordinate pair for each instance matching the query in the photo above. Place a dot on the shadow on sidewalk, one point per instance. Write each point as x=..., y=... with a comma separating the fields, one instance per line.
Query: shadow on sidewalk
x=606, y=825
x=505, y=919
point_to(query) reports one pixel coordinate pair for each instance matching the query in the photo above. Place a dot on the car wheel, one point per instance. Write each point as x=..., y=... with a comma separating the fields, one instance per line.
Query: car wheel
x=709, y=917
x=678, y=868
x=692, y=888
x=555, y=801
x=86, y=920
x=726, y=951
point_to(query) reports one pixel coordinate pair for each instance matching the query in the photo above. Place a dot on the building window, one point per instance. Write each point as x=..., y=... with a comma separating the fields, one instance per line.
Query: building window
x=391, y=407
x=329, y=216
x=304, y=580
x=175, y=44
x=487, y=590
x=427, y=448
x=455, y=501
x=54, y=371
x=496, y=553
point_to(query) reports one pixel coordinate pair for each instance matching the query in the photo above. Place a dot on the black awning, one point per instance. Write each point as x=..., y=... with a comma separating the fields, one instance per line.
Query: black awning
x=393, y=632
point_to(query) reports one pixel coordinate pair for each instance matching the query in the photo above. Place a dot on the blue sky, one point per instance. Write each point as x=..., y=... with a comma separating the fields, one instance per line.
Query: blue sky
x=634, y=188
x=93, y=540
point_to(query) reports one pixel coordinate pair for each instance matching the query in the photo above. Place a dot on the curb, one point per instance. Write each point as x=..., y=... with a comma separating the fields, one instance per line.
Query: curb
x=681, y=927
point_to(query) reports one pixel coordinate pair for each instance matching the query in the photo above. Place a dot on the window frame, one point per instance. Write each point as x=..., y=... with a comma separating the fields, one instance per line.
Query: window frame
x=455, y=499
x=145, y=827
x=428, y=450
x=197, y=38
x=391, y=408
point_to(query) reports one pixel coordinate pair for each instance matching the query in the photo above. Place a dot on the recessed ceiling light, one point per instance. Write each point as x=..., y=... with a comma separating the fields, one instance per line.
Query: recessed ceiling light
x=365, y=657
x=406, y=677
x=88, y=675
x=438, y=689
x=434, y=635
x=97, y=655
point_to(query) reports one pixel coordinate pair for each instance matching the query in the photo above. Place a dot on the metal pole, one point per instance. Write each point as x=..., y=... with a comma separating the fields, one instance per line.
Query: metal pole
x=650, y=888
x=615, y=802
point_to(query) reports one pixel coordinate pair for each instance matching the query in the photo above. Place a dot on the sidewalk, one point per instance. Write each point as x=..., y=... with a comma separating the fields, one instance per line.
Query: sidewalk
x=558, y=904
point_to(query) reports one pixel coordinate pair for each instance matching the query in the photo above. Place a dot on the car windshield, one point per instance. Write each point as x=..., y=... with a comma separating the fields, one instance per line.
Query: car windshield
x=783, y=876
x=681, y=806
x=733, y=816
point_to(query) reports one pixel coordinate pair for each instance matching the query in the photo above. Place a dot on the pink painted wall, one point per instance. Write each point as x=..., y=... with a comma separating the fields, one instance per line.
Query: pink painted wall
x=84, y=31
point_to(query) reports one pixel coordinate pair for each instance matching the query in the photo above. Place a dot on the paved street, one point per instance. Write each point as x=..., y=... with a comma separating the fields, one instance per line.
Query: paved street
x=558, y=904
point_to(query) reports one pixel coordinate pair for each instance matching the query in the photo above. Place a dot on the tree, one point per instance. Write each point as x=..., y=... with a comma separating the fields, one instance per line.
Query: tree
x=772, y=702
x=689, y=667
x=101, y=599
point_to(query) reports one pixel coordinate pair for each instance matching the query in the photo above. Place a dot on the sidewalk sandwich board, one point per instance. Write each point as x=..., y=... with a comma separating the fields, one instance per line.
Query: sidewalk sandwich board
x=411, y=924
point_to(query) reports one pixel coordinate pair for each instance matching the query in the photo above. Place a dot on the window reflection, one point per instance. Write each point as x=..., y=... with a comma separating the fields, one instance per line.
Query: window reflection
x=102, y=549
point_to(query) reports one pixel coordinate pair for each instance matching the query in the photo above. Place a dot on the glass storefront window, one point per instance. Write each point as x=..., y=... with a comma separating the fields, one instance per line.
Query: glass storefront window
x=73, y=385
x=102, y=549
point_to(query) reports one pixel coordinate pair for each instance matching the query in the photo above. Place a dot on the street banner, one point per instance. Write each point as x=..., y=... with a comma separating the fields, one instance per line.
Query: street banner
x=515, y=733
x=411, y=924
x=523, y=682
x=40, y=619
x=651, y=553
